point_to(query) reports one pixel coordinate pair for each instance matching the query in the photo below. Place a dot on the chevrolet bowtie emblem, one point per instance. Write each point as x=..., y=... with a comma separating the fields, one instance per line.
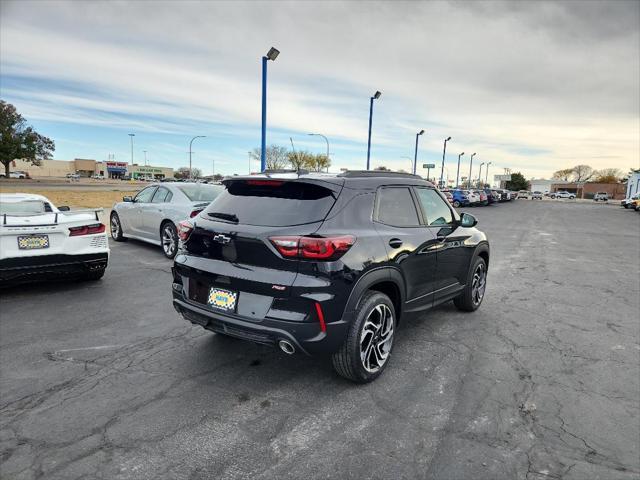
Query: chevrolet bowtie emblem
x=221, y=239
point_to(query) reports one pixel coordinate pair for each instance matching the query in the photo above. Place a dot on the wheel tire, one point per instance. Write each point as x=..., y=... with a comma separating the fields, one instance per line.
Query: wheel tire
x=468, y=300
x=456, y=204
x=94, y=275
x=116, y=228
x=348, y=361
x=169, y=239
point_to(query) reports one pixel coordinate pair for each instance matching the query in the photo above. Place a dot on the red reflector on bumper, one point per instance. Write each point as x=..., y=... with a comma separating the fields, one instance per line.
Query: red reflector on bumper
x=323, y=326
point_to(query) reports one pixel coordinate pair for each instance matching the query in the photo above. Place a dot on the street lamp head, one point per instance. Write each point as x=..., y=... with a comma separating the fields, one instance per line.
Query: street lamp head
x=421, y=132
x=461, y=154
x=132, y=134
x=377, y=95
x=447, y=139
x=273, y=53
x=473, y=154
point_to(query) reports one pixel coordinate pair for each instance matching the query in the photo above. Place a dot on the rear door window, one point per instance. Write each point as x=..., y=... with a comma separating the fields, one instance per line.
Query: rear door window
x=271, y=203
x=160, y=196
x=395, y=207
x=145, y=195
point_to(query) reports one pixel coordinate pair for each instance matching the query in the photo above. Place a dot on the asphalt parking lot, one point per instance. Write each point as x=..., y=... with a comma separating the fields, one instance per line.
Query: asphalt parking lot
x=105, y=380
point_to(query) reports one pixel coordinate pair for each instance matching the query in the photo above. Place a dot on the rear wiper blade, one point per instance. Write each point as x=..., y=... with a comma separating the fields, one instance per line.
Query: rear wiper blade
x=229, y=217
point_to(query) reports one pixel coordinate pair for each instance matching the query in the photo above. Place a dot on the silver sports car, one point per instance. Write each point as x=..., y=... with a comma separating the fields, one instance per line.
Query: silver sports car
x=152, y=215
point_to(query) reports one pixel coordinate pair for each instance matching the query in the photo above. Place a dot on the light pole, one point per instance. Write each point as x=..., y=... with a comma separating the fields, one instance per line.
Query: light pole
x=326, y=140
x=458, y=171
x=444, y=151
x=190, y=152
x=272, y=54
x=415, y=155
x=471, y=165
x=480, y=174
x=486, y=174
x=145, y=157
x=375, y=97
x=132, y=135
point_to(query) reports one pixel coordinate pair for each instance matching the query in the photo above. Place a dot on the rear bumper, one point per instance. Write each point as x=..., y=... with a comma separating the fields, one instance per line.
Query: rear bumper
x=305, y=336
x=47, y=267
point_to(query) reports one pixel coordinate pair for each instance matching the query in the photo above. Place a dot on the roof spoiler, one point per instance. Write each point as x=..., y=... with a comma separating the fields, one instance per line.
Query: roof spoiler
x=95, y=211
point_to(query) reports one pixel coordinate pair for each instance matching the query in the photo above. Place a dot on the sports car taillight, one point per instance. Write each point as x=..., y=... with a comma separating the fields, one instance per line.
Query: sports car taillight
x=87, y=229
x=313, y=248
x=184, y=230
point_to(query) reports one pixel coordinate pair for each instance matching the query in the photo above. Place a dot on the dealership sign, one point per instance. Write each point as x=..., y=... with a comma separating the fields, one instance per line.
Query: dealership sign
x=502, y=178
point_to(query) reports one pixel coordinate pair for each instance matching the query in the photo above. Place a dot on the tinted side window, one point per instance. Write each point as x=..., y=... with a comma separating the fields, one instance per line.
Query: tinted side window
x=434, y=207
x=395, y=207
x=160, y=196
x=145, y=195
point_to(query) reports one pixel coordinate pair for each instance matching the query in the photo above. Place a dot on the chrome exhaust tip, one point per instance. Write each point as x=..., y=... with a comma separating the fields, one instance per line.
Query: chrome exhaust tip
x=286, y=347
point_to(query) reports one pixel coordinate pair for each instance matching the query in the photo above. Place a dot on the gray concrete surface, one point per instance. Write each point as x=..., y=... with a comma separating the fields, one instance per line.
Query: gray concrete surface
x=104, y=380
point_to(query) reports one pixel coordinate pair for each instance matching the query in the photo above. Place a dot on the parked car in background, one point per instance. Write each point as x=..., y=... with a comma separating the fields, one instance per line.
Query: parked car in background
x=154, y=213
x=460, y=198
x=39, y=241
x=449, y=196
x=98, y=177
x=490, y=197
x=483, y=197
x=524, y=194
x=628, y=202
x=601, y=197
x=298, y=261
x=474, y=198
x=73, y=176
x=16, y=174
x=563, y=194
x=536, y=195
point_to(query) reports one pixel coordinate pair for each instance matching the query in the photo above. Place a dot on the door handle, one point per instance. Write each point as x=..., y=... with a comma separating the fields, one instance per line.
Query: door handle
x=395, y=243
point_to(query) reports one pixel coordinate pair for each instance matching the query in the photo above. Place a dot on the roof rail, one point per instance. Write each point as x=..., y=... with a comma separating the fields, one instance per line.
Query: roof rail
x=376, y=173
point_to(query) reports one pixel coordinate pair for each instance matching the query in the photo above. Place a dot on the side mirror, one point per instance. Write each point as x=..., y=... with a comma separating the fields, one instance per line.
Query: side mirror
x=468, y=220
x=127, y=199
x=64, y=208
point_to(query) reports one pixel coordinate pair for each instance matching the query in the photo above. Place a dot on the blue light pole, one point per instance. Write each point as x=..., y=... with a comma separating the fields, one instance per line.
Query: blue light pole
x=272, y=54
x=375, y=97
x=458, y=171
x=444, y=151
x=415, y=155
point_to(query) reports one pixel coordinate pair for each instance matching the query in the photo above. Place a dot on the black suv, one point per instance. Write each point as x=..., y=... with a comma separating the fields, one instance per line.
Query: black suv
x=323, y=263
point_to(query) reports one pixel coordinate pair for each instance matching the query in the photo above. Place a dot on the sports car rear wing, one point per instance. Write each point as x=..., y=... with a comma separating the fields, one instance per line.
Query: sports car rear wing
x=65, y=213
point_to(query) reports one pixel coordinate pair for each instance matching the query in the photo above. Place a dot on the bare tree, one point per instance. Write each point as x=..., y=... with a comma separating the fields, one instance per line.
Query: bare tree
x=608, y=175
x=582, y=173
x=276, y=157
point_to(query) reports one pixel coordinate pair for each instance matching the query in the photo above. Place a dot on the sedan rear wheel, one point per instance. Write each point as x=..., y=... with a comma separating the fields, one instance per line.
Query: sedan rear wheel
x=169, y=239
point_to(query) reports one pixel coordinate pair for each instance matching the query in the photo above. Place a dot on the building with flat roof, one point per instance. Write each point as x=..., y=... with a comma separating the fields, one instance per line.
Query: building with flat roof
x=88, y=168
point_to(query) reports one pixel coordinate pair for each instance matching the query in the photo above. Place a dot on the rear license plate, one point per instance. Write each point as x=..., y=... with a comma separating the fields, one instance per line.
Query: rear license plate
x=222, y=299
x=33, y=242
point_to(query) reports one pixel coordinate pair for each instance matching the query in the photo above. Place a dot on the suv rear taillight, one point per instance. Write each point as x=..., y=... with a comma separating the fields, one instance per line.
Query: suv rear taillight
x=87, y=229
x=184, y=230
x=313, y=248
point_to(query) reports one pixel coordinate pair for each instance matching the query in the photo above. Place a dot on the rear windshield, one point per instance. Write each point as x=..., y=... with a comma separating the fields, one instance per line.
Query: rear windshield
x=271, y=203
x=26, y=207
x=201, y=192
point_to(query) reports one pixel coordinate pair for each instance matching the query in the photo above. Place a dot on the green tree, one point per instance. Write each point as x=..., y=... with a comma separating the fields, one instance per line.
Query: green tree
x=317, y=163
x=276, y=157
x=517, y=182
x=20, y=141
x=300, y=160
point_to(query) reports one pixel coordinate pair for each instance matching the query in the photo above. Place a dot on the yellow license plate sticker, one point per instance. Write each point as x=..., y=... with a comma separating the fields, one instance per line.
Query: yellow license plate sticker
x=223, y=299
x=32, y=242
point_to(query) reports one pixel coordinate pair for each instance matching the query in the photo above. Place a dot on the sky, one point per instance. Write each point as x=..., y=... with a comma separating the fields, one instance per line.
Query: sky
x=530, y=86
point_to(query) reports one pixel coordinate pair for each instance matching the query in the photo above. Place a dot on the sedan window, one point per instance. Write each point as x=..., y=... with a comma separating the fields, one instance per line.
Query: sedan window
x=144, y=196
x=161, y=196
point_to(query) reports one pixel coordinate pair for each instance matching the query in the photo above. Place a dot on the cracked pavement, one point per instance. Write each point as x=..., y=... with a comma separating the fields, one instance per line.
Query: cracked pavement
x=106, y=381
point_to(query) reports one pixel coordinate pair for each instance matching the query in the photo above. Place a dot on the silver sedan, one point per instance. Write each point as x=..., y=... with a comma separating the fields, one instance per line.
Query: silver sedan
x=154, y=213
